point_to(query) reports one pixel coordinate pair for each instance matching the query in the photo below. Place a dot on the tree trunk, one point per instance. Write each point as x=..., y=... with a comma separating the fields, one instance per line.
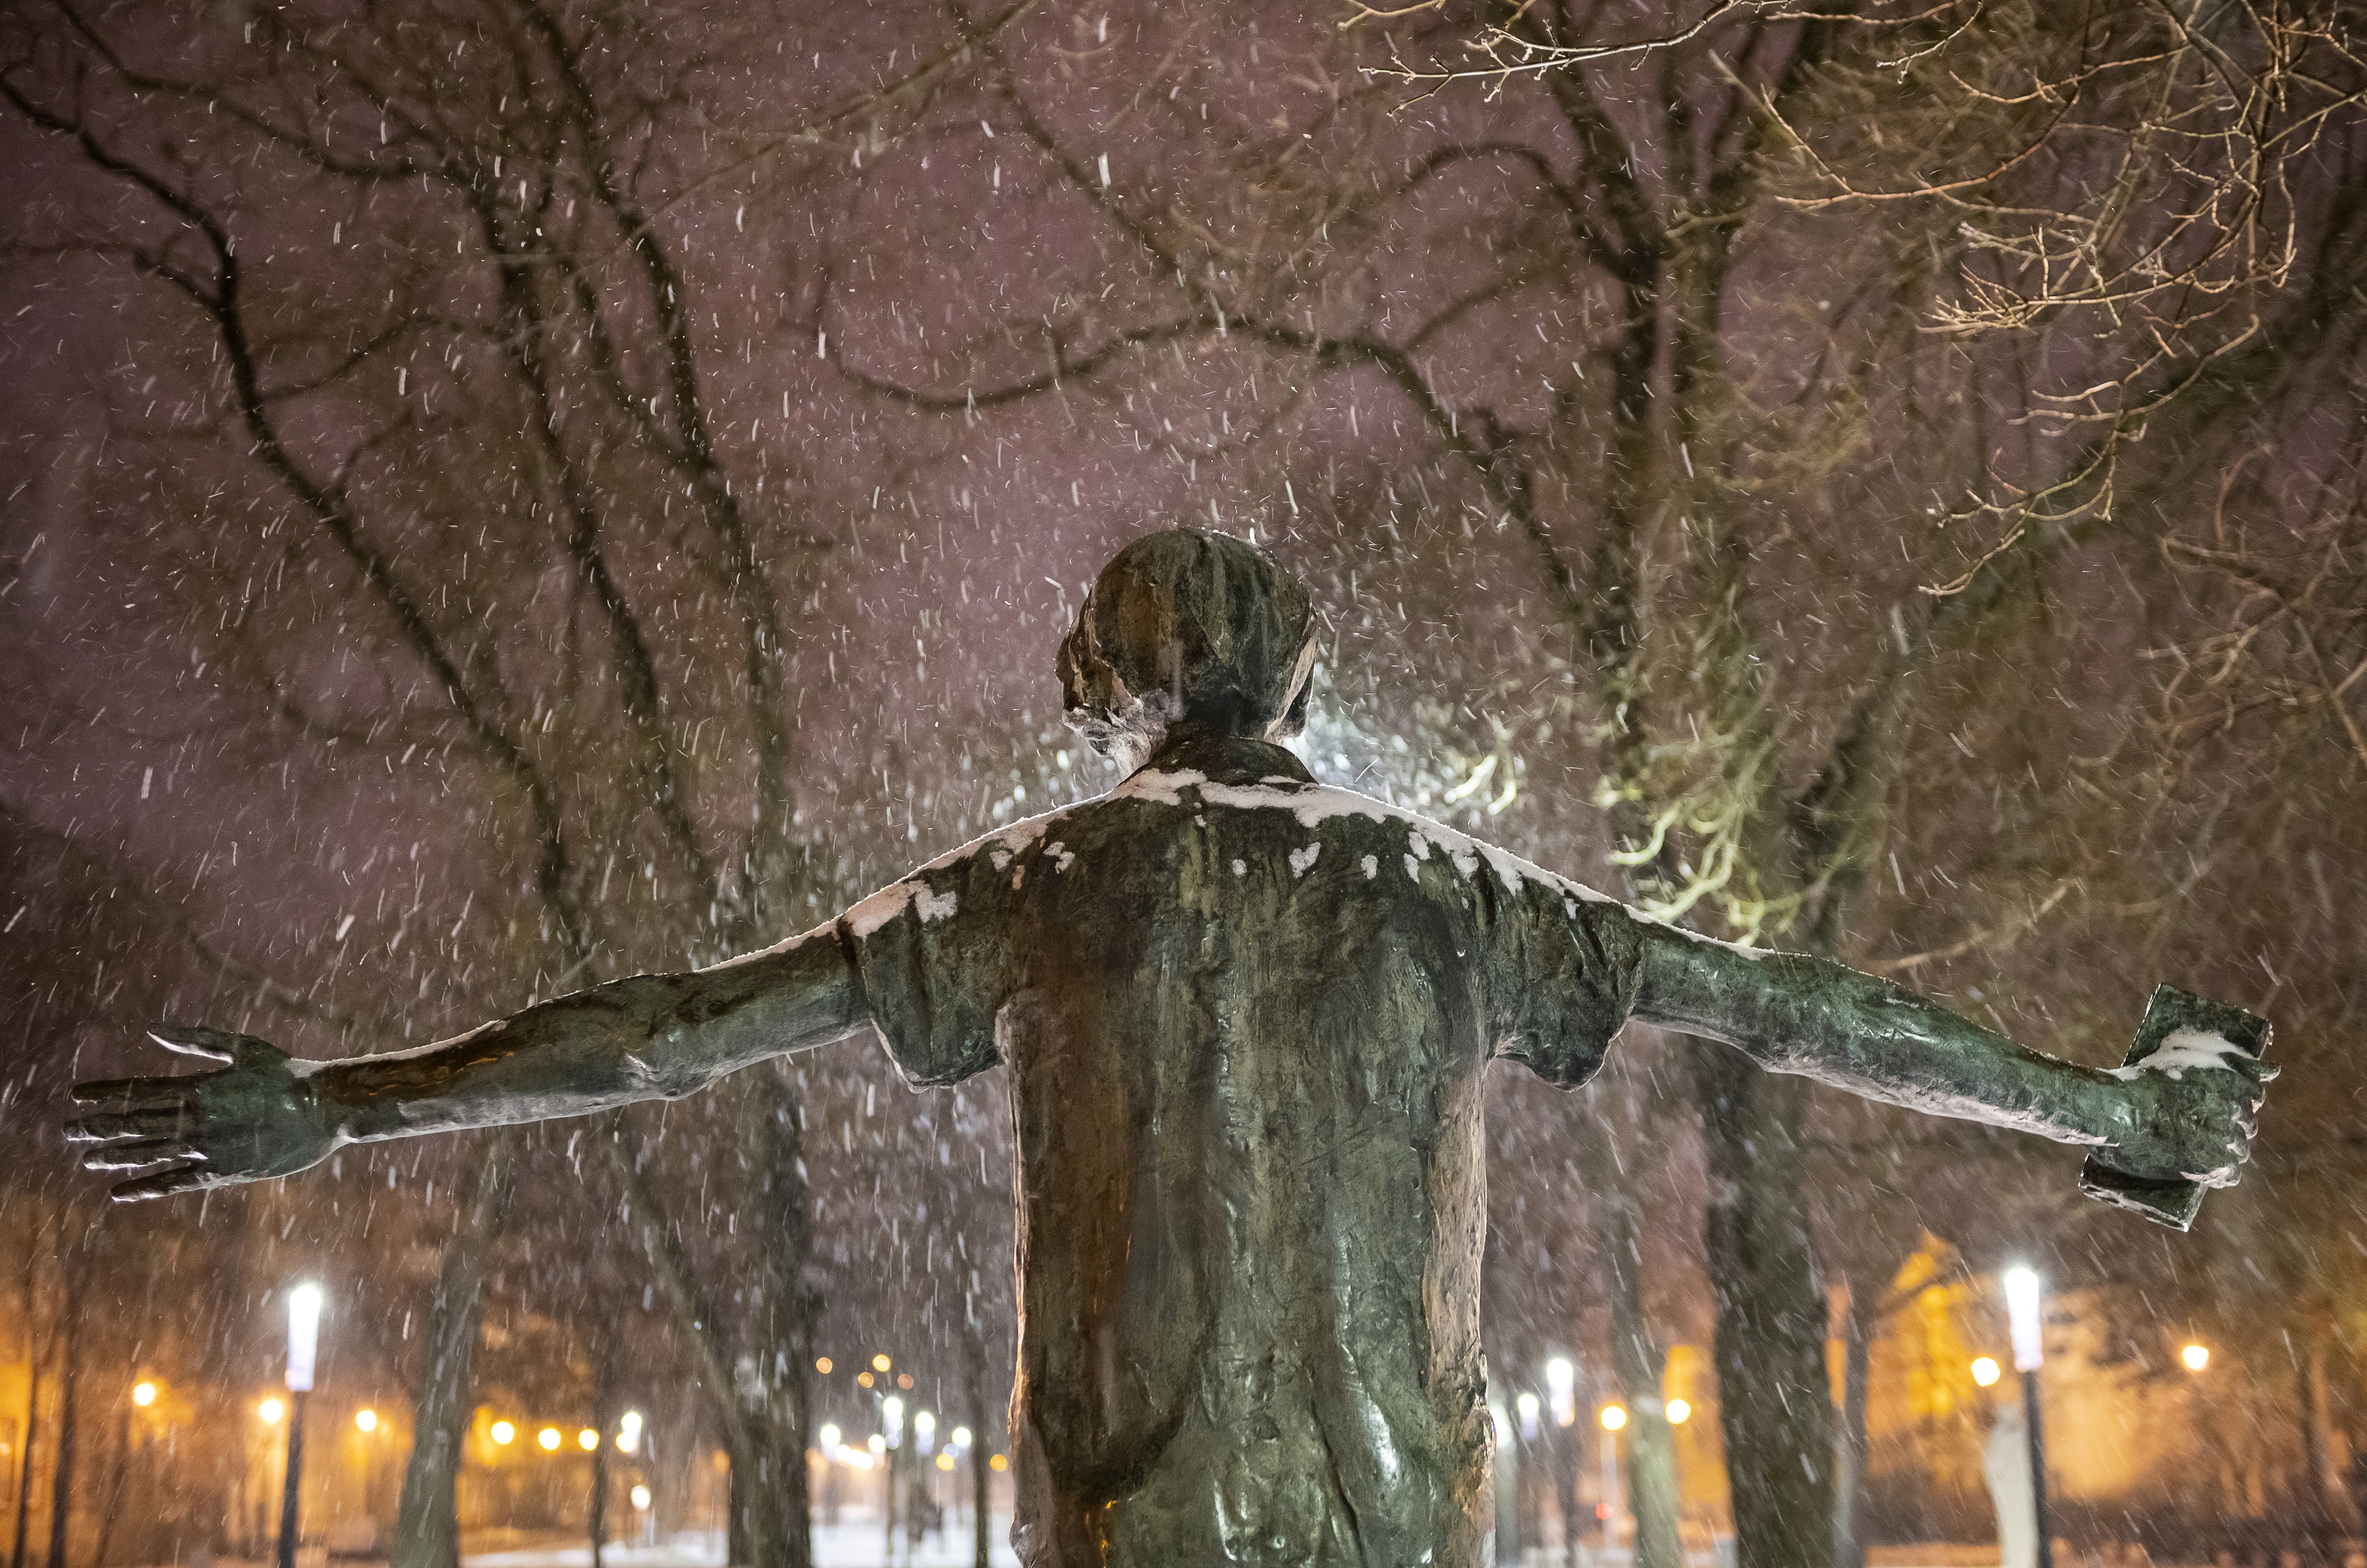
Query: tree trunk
x=1565, y=1463
x=761, y=1389
x=2329, y=1486
x=1849, y=1453
x=1774, y=1395
x=737, y=1535
x=1636, y=1360
x=781, y=1328
x=61, y=1477
x=427, y=1523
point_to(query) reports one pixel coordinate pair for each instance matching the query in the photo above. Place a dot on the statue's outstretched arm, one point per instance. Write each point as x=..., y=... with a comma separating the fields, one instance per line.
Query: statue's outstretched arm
x=651, y=1037
x=2192, y=1117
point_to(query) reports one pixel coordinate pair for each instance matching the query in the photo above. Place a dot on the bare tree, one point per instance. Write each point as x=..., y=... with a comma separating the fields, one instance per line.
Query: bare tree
x=560, y=339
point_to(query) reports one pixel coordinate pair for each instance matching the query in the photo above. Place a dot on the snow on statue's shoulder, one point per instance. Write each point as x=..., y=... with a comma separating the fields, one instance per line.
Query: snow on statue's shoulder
x=1000, y=846
x=1314, y=805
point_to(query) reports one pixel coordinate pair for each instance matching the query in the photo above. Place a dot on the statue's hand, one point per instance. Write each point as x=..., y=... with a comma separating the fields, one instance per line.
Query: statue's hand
x=255, y=1118
x=2195, y=1121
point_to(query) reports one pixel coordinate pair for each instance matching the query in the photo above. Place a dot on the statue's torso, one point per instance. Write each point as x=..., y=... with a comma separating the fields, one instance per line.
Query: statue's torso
x=1246, y=1027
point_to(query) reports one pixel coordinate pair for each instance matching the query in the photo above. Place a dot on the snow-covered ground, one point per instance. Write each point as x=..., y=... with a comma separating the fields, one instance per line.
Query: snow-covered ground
x=853, y=1542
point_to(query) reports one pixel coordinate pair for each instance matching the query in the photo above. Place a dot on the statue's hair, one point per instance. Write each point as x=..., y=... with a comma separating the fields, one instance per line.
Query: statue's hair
x=1186, y=626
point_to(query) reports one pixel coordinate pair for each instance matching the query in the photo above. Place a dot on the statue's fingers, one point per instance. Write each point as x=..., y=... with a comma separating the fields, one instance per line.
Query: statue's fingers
x=131, y=1156
x=112, y=1126
x=133, y=1094
x=196, y=1040
x=162, y=1184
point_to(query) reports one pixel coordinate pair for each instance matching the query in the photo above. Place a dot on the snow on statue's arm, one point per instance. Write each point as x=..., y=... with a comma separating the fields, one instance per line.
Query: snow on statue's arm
x=2192, y=1117
x=650, y=1037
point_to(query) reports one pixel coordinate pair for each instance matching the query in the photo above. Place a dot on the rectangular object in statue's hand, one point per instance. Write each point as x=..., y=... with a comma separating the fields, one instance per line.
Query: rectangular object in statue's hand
x=2174, y=1202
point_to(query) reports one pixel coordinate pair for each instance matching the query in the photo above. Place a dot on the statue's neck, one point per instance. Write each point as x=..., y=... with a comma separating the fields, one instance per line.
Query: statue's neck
x=1225, y=759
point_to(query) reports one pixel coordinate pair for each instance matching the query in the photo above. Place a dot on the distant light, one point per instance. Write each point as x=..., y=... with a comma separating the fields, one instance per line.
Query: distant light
x=365, y=1419
x=503, y=1432
x=1678, y=1411
x=2196, y=1357
x=143, y=1394
x=944, y=1462
x=628, y=1432
x=863, y=1377
x=857, y=1459
x=961, y=1437
x=2021, y=1298
x=303, y=1334
x=1561, y=1390
x=271, y=1410
x=641, y=1498
x=903, y=1380
x=830, y=1436
x=822, y=1365
x=924, y=1427
x=1985, y=1371
x=1612, y=1417
x=998, y=1463
x=1526, y=1403
x=548, y=1438
x=881, y=1363
x=876, y=1443
x=588, y=1439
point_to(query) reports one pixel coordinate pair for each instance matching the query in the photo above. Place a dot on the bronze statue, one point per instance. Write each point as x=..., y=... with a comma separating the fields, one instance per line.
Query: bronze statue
x=1247, y=1020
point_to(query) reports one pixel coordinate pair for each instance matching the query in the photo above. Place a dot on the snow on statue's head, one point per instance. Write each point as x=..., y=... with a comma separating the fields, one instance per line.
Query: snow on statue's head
x=1187, y=629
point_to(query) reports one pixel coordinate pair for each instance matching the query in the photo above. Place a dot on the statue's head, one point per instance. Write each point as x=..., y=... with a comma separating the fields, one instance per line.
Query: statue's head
x=1187, y=628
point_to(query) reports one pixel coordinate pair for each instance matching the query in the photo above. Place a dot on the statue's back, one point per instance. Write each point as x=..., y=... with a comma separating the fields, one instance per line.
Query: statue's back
x=1246, y=1021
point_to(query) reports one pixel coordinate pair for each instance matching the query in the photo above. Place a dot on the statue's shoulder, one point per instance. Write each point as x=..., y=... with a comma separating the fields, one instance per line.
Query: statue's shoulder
x=1321, y=810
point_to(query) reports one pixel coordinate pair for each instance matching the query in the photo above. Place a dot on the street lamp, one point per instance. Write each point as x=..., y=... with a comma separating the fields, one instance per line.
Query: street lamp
x=548, y=1438
x=143, y=1394
x=1986, y=1371
x=2023, y=1294
x=502, y=1434
x=1676, y=1411
x=628, y=1432
x=1561, y=1390
x=1527, y=1405
x=365, y=1419
x=2196, y=1357
x=303, y=1341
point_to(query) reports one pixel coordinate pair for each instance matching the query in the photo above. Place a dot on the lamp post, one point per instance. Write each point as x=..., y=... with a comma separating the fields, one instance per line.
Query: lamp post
x=891, y=1416
x=1614, y=1417
x=303, y=1339
x=2023, y=1294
